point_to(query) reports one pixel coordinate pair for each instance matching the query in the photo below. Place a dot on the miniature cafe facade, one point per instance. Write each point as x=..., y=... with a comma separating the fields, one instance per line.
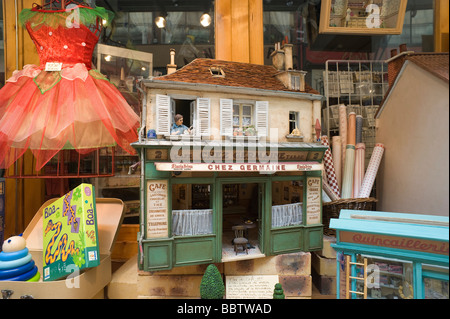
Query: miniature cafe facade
x=238, y=165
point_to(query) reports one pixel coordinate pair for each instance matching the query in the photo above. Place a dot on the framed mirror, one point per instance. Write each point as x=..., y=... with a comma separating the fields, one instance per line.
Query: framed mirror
x=370, y=17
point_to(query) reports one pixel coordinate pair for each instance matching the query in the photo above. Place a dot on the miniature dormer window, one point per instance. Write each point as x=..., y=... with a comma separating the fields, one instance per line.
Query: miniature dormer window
x=217, y=71
x=295, y=82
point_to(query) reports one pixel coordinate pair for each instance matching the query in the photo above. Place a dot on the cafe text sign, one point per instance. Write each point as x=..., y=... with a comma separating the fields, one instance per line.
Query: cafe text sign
x=239, y=167
x=157, y=211
x=406, y=243
x=313, y=200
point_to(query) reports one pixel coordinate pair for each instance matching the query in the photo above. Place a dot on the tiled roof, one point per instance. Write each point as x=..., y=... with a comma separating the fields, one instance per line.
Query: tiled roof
x=435, y=63
x=237, y=74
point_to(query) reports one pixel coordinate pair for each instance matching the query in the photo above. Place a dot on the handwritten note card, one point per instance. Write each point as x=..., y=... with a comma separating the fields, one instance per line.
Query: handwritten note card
x=250, y=287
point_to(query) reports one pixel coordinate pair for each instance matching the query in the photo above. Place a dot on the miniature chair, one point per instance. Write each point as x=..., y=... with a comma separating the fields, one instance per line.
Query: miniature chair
x=239, y=239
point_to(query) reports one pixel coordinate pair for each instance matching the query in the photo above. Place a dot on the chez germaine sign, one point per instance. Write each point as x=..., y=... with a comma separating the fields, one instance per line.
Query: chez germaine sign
x=181, y=158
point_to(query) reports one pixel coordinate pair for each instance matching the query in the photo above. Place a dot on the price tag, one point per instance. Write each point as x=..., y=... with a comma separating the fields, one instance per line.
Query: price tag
x=53, y=66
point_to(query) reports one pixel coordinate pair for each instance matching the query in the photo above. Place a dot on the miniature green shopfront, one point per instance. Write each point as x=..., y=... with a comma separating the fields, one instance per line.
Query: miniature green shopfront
x=250, y=159
x=283, y=200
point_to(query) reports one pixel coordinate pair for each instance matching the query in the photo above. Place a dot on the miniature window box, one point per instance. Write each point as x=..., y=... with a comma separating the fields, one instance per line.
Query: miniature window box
x=294, y=138
x=243, y=138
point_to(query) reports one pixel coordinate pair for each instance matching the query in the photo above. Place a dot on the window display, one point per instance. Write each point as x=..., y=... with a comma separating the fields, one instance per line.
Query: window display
x=389, y=279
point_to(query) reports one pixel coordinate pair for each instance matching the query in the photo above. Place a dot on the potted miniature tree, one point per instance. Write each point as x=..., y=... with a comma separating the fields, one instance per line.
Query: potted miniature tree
x=278, y=292
x=211, y=286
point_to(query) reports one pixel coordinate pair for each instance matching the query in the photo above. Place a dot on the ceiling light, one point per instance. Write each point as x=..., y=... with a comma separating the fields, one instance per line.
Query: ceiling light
x=160, y=22
x=205, y=19
x=108, y=58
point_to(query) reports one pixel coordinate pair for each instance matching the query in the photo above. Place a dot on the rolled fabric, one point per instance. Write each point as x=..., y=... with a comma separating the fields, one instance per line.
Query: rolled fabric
x=329, y=166
x=358, y=174
x=371, y=172
x=351, y=129
x=327, y=188
x=359, y=126
x=347, y=178
x=325, y=198
x=336, y=153
x=343, y=132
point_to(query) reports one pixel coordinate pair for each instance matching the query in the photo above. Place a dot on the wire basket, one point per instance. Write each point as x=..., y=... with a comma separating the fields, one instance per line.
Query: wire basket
x=333, y=209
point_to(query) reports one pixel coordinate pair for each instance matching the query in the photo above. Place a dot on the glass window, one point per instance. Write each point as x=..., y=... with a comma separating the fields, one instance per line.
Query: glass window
x=287, y=203
x=297, y=22
x=386, y=278
x=192, y=212
x=242, y=116
x=293, y=121
x=435, y=282
x=184, y=27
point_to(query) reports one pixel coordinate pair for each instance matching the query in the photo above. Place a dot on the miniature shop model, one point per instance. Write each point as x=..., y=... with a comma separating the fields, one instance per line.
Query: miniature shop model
x=384, y=255
x=251, y=166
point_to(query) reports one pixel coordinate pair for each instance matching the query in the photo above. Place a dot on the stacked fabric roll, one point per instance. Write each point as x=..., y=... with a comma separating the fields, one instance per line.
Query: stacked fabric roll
x=345, y=176
x=16, y=262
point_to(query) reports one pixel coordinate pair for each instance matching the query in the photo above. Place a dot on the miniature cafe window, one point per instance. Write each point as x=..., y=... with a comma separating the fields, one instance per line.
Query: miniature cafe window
x=287, y=203
x=192, y=212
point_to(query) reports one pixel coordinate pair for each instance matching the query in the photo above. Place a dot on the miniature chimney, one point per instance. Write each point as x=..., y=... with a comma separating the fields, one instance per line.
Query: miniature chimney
x=396, y=61
x=282, y=60
x=288, y=62
x=278, y=57
x=172, y=67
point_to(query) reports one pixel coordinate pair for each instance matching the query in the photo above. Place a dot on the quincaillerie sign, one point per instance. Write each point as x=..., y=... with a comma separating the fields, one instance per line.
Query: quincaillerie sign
x=406, y=243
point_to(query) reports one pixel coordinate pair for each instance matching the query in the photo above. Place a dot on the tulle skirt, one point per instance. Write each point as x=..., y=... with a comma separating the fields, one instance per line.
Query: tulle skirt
x=72, y=109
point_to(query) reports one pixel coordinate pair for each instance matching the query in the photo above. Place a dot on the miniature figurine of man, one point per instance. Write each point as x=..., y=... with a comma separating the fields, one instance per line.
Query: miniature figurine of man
x=178, y=127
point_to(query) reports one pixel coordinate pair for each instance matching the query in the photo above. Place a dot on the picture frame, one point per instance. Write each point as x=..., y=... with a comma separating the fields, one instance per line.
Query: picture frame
x=362, y=17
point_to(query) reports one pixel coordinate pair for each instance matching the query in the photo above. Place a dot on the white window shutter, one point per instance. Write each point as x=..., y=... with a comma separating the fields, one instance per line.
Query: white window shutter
x=226, y=117
x=203, y=117
x=262, y=117
x=163, y=114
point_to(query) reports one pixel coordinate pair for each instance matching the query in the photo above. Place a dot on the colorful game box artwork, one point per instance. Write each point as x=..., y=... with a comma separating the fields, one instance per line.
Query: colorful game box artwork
x=70, y=234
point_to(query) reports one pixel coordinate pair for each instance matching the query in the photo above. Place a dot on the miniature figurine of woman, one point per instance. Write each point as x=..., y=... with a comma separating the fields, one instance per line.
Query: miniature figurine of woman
x=178, y=127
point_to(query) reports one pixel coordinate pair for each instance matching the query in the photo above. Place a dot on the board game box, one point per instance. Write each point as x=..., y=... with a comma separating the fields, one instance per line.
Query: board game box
x=70, y=234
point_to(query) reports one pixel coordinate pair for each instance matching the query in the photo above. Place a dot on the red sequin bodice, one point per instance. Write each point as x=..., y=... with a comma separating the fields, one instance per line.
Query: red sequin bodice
x=67, y=45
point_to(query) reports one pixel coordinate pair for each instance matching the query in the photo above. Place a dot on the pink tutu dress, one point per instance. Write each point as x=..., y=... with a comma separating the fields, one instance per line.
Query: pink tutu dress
x=75, y=107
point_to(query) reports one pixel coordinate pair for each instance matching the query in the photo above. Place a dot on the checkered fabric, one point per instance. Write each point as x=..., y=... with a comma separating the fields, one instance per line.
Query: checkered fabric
x=329, y=167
